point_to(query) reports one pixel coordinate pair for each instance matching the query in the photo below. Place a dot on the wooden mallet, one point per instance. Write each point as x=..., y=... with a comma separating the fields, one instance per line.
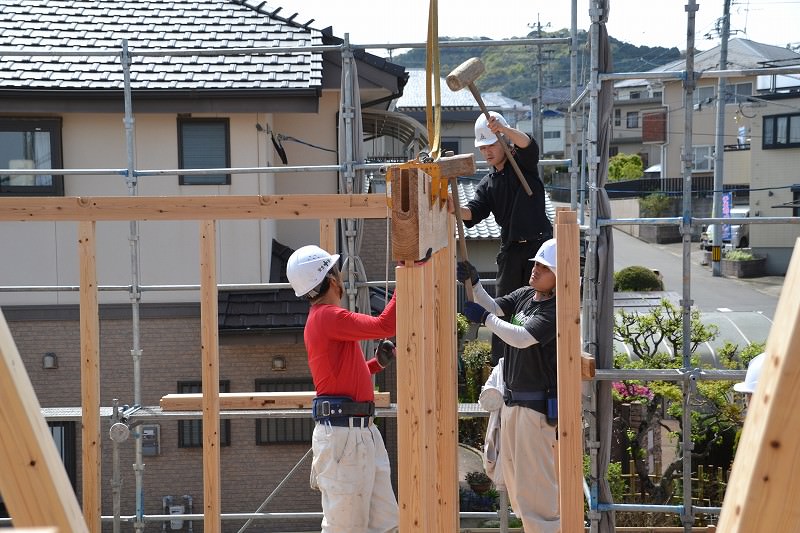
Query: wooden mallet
x=465, y=75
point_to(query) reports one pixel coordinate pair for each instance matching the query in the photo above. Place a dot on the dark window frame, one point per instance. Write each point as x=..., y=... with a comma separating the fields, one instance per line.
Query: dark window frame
x=768, y=139
x=271, y=431
x=53, y=125
x=632, y=120
x=67, y=448
x=218, y=179
x=190, y=432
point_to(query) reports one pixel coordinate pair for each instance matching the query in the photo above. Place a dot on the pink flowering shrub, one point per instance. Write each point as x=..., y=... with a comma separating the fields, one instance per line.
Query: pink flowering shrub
x=631, y=391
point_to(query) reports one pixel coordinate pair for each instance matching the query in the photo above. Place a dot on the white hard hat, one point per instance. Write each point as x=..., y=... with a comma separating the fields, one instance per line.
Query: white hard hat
x=546, y=254
x=753, y=372
x=483, y=135
x=307, y=268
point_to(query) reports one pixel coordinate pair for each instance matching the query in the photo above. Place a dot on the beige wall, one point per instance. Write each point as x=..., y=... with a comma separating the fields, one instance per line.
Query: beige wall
x=169, y=252
x=773, y=172
x=703, y=124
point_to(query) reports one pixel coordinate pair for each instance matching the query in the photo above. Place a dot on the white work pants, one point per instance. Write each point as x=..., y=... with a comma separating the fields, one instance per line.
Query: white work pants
x=351, y=469
x=529, y=457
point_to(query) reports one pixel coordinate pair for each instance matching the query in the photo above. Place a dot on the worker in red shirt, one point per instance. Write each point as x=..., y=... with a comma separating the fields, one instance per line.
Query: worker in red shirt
x=350, y=467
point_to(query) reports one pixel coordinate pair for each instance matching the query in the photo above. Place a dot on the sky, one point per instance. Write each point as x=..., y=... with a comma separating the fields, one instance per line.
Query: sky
x=774, y=22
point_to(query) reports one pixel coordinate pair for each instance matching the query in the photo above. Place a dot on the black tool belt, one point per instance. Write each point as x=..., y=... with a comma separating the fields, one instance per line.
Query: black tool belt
x=536, y=400
x=545, y=402
x=337, y=409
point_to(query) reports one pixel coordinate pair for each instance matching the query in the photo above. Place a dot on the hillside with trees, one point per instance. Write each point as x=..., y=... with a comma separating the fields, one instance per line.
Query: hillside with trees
x=512, y=70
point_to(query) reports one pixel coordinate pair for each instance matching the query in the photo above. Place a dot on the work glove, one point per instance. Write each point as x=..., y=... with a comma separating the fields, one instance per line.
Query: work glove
x=475, y=312
x=385, y=353
x=466, y=271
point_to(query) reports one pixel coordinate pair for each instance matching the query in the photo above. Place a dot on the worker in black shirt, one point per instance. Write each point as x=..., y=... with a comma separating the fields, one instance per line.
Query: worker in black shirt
x=521, y=217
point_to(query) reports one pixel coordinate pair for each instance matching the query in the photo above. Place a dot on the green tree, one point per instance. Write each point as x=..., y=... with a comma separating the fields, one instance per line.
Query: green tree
x=652, y=338
x=623, y=167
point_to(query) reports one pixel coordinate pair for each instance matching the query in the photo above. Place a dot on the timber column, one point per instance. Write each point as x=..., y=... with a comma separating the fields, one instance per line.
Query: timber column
x=427, y=394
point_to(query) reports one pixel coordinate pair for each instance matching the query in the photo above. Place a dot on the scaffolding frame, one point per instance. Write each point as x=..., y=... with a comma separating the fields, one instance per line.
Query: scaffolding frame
x=689, y=78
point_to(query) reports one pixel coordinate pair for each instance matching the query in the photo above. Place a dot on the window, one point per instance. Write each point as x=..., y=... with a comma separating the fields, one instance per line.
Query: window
x=449, y=145
x=738, y=92
x=190, y=432
x=781, y=131
x=552, y=134
x=64, y=437
x=284, y=430
x=635, y=95
x=632, y=119
x=30, y=143
x=703, y=158
x=703, y=96
x=617, y=117
x=204, y=143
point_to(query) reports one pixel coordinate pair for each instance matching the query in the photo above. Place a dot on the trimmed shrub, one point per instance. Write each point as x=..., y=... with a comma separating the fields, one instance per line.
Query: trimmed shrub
x=637, y=278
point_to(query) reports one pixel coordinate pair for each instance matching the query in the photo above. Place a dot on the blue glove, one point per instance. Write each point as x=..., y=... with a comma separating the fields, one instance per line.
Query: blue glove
x=465, y=271
x=475, y=313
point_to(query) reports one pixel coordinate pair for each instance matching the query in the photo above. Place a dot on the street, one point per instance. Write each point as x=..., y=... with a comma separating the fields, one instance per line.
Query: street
x=742, y=309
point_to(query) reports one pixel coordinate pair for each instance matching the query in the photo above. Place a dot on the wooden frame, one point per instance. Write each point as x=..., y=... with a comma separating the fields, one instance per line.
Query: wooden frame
x=427, y=396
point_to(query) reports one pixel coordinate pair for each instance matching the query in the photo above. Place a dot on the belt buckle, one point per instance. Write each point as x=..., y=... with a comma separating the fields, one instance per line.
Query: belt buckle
x=326, y=408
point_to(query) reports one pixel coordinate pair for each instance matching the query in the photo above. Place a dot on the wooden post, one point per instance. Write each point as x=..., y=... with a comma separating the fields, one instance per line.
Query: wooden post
x=446, y=388
x=327, y=235
x=570, y=429
x=209, y=340
x=412, y=404
x=33, y=481
x=90, y=376
x=763, y=493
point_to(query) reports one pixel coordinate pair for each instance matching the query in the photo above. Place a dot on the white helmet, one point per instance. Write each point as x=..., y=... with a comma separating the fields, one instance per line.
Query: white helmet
x=307, y=268
x=753, y=372
x=483, y=135
x=546, y=255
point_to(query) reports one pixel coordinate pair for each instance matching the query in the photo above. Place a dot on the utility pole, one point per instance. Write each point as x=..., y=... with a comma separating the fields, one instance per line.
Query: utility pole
x=537, y=127
x=719, y=147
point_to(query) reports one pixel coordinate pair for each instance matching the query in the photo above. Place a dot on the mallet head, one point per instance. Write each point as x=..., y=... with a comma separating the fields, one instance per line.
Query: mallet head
x=465, y=74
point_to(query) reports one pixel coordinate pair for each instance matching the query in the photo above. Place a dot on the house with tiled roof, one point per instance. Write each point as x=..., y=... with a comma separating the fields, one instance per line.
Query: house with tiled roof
x=135, y=98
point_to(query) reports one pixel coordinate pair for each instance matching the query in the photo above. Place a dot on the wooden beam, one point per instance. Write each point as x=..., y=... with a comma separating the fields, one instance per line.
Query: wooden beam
x=90, y=377
x=412, y=404
x=253, y=400
x=33, y=481
x=568, y=342
x=763, y=493
x=419, y=223
x=278, y=207
x=209, y=339
x=445, y=388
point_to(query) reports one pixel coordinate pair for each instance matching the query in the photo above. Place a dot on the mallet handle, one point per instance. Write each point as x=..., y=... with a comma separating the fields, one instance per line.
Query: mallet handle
x=462, y=243
x=509, y=156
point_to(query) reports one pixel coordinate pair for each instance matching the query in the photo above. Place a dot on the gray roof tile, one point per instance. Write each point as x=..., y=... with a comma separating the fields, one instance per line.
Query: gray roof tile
x=148, y=24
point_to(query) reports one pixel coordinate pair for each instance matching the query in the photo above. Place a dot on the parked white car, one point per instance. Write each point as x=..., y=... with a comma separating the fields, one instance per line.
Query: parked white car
x=740, y=233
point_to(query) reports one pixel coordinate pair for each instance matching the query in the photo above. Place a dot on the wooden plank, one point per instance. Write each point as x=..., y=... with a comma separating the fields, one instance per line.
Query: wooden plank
x=446, y=388
x=412, y=404
x=91, y=447
x=568, y=342
x=418, y=225
x=33, y=481
x=277, y=207
x=253, y=400
x=209, y=339
x=763, y=493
